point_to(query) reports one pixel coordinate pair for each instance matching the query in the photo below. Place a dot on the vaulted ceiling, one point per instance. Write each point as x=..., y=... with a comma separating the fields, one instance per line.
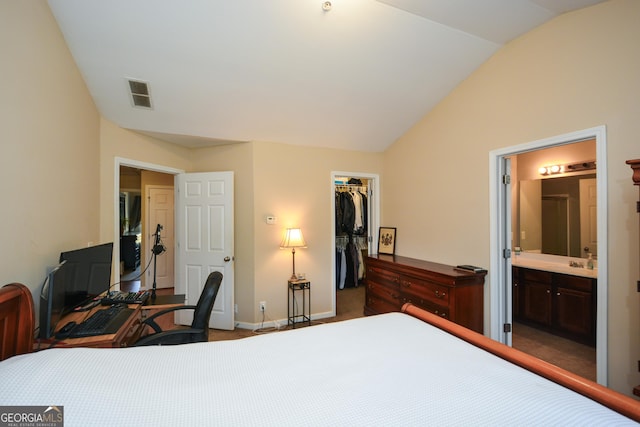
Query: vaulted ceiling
x=356, y=76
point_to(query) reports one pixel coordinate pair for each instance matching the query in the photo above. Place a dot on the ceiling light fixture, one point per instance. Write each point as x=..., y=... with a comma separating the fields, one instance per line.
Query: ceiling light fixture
x=326, y=6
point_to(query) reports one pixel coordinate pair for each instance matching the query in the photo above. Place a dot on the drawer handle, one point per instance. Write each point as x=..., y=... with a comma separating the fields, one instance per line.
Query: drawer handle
x=441, y=294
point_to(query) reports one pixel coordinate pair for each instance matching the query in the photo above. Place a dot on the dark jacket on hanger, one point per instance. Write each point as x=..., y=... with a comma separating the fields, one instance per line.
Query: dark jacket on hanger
x=348, y=212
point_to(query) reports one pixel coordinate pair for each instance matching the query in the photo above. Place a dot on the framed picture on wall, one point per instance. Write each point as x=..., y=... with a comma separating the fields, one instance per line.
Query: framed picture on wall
x=387, y=240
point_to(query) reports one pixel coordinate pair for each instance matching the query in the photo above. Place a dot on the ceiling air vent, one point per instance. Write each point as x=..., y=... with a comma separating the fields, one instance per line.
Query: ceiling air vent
x=140, y=95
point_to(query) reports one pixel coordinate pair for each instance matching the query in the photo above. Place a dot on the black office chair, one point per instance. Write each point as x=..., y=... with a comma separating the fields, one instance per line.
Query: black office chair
x=199, y=330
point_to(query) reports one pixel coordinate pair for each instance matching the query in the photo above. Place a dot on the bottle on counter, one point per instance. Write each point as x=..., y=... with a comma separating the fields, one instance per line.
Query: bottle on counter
x=590, y=262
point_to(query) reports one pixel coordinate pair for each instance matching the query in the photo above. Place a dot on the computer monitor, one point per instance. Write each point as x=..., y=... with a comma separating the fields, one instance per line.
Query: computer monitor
x=89, y=271
x=52, y=300
x=81, y=275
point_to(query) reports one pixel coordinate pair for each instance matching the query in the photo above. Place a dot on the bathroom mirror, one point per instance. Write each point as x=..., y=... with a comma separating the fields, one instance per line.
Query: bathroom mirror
x=557, y=216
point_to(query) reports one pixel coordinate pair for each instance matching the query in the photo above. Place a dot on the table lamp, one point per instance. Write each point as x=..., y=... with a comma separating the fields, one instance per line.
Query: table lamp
x=293, y=239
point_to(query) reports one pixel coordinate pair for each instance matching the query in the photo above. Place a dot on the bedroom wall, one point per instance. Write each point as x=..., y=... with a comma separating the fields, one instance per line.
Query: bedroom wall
x=123, y=143
x=239, y=159
x=292, y=183
x=49, y=128
x=578, y=71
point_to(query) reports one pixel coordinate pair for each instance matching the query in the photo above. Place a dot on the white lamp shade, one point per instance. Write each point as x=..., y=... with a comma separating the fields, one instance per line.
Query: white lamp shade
x=293, y=239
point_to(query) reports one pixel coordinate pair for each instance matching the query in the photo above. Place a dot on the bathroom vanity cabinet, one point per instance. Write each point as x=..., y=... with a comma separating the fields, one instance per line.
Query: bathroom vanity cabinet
x=560, y=304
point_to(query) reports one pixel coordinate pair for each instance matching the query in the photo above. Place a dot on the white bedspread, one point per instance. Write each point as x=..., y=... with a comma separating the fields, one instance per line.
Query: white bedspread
x=386, y=370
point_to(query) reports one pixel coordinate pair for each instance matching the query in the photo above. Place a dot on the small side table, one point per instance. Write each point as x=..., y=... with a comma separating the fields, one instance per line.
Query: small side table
x=293, y=316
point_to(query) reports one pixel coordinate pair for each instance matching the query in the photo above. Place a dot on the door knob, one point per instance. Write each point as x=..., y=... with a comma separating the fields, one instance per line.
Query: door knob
x=227, y=259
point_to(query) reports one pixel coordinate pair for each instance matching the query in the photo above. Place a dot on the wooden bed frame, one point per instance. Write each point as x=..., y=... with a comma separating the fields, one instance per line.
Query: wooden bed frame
x=17, y=326
x=16, y=320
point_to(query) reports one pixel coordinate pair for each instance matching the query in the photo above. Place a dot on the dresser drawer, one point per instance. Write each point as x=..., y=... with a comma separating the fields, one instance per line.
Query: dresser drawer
x=440, y=311
x=381, y=275
x=424, y=292
x=379, y=305
x=383, y=291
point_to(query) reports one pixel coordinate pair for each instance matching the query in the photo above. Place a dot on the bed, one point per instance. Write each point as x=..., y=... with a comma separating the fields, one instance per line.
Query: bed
x=408, y=368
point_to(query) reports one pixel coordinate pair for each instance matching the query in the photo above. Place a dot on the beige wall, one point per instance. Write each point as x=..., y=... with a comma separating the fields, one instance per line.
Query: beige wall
x=294, y=184
x=576, y=72
x=49, y=151
x=134, y=148
x=239, y=159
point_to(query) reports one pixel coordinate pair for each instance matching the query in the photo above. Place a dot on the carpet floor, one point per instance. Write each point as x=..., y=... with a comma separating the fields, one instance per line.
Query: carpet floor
x=349, y=305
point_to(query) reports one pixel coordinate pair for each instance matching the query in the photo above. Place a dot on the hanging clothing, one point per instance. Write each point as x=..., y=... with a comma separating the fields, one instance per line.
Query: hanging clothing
x=358, y=224
x=348, y=212
x=351, y=225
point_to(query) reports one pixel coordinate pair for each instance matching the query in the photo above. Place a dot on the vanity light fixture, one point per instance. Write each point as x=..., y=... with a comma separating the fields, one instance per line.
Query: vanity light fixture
x=586, y=165
x=550, y=170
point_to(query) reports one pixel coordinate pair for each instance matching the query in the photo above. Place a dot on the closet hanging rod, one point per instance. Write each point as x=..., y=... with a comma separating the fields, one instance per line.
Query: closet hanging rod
x=347, y=187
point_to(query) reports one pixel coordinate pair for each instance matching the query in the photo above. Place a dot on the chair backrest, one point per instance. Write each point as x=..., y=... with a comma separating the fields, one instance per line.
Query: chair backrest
x=202, y=312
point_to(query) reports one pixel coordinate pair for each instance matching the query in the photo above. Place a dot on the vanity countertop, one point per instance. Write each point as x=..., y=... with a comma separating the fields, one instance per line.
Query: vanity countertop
x=554, y=264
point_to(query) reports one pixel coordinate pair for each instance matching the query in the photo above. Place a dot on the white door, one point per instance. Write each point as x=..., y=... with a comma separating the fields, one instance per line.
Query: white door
x=160, y=211
x=204, y=241
x=588, y=217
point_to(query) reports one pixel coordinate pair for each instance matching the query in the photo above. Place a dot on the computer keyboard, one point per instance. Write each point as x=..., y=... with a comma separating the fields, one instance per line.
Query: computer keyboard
x=105, y=321
x=118, y=297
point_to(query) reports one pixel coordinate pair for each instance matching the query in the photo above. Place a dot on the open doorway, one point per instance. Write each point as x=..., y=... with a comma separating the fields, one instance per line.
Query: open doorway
x=130, y=222
x=355, y=212
x=130, y=179
x=146, y=203
x=508, y=236
x=554, y=306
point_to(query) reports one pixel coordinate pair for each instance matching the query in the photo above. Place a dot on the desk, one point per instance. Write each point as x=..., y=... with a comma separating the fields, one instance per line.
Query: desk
x=128, y=333
x=164, y=301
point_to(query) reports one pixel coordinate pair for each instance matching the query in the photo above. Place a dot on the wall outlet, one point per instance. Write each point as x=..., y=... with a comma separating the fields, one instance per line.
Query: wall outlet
x=263, y=306
x=235, y=308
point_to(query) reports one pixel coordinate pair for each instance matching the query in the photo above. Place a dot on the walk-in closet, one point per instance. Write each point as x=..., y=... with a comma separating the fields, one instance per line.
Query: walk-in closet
x=352, y=238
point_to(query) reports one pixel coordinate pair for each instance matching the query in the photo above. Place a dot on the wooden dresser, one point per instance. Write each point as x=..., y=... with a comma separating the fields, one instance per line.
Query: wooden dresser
x=393, y=280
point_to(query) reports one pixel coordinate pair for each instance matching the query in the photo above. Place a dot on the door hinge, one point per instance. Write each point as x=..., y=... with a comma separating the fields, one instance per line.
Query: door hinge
x=506, y=179
x=507, y=327
x=638, y=285
x=506, y=253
